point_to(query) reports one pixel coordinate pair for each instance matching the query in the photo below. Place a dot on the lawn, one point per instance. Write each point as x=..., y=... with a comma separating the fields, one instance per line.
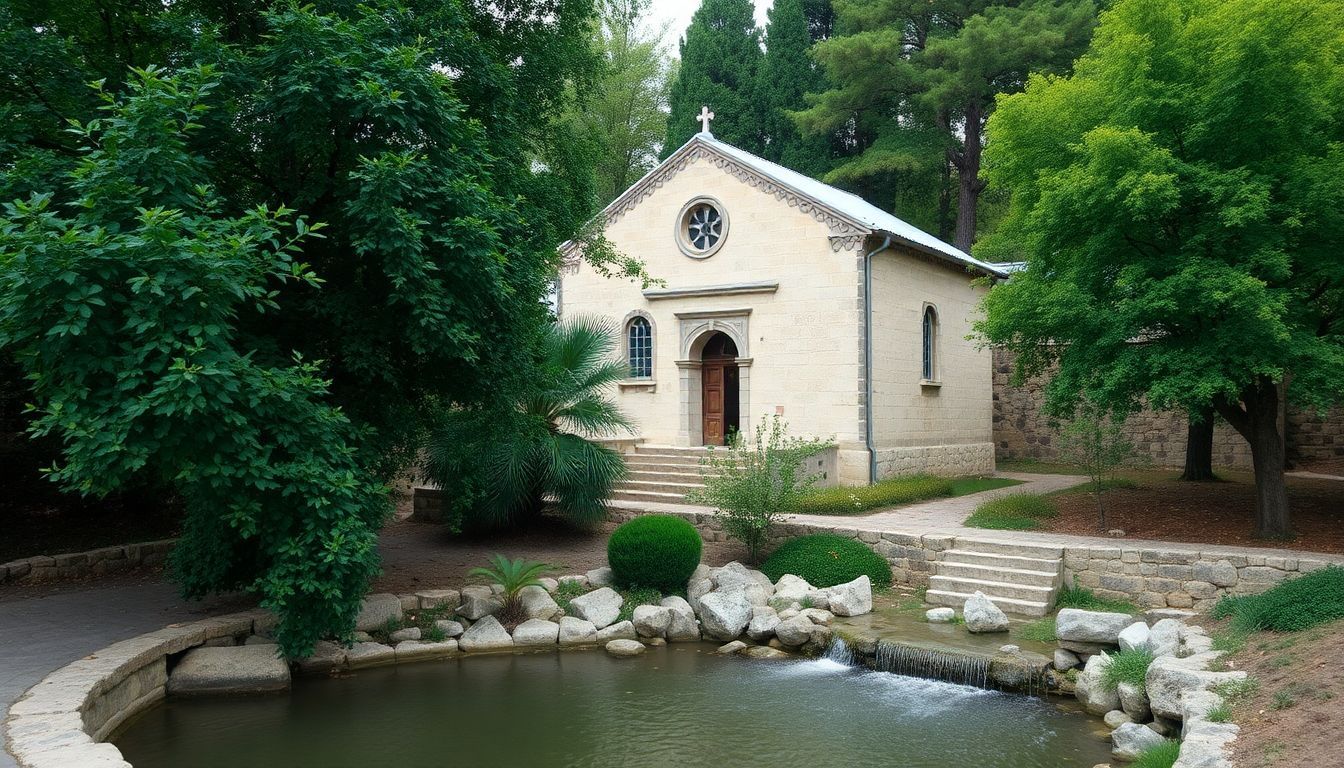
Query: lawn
x=894, y=492
x=1018, y=512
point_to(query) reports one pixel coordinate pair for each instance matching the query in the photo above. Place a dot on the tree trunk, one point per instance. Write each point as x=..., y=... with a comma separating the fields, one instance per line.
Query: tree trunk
x=1199, y=447
x=969, y=184
x=1256, y=418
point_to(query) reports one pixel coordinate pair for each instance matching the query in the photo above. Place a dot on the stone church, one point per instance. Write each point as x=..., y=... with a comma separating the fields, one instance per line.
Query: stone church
x=782, y=295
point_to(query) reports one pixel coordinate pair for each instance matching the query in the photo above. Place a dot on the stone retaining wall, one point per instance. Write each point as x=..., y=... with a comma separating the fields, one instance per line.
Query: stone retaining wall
x=94, y=562
x=964, y=459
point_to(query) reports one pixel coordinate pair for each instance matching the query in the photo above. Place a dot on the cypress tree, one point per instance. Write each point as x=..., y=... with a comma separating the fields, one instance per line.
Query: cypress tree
x=720, y=61
x=788, y=74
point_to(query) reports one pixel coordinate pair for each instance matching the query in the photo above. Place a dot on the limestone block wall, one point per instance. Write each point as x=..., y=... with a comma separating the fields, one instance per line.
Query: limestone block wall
x=960, y=459
x=95, y=562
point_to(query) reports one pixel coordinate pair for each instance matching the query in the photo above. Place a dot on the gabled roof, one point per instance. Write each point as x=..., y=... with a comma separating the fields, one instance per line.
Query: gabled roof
x=850, y=217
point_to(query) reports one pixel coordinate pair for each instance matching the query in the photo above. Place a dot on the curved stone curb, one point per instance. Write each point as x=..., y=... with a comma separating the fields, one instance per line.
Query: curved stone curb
x=119, y=557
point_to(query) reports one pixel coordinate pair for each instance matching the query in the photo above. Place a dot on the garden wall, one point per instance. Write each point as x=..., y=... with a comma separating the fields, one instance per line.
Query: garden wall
x=1022, y=432
x=91, y=563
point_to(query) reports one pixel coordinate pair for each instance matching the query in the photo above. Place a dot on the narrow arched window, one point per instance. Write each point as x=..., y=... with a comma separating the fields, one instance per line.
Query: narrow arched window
x=930, y=344
x=639, y=348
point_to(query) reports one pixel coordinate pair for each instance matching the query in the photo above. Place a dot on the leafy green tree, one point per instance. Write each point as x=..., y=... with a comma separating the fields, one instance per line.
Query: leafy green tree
x=1095, y=440
x=125, y=312
x=720, y=61
x=537, y=441
x=624, y=111
x=1179, y=206
x=787, y=75
x=915, y=81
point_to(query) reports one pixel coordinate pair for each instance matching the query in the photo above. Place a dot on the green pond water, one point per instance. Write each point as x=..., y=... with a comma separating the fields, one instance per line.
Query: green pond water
x=680, y=705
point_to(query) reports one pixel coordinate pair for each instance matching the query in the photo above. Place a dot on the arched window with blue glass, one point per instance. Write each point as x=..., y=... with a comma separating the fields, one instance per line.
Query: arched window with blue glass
x=930, y=334
x=639, y=347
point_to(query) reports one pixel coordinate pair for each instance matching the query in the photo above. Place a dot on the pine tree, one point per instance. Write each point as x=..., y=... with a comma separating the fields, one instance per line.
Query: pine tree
x=720, y=60
x=788, y=74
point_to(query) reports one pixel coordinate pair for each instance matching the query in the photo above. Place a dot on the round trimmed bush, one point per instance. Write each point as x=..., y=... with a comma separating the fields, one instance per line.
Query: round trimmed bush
x=825, y=560
x=657, y=551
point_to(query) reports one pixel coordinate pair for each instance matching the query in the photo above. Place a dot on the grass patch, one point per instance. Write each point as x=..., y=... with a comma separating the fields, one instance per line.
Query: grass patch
x=1087, y=600
x=1229, y=640
x=1018, y=512
x=568, y=590
x=635, y=597
x=1162, y=755
x=1235, y=692
x=1127, y=667
x=1109, y=484
x=892, y=492
x=1292, y=606
x=1040, y=631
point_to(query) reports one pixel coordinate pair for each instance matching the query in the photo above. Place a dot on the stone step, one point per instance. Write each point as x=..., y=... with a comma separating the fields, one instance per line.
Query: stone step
x=1014, y=548
x=654, y=485
x=957, y=600
x=620, y=494
x=675, y=459
x=1018, y=576
x=672, y=450
x=993, y=589
x=664, y=476
x=655, y=464
x=986, y=560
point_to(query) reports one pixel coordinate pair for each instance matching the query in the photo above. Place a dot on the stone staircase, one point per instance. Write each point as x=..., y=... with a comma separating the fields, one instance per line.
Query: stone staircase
x=660, y=473
x=1022, y=579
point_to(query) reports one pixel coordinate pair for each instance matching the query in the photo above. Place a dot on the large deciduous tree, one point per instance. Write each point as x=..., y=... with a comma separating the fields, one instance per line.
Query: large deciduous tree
x=787, y=75
x=720, y=62
x=916, y=80
x=1179, y=204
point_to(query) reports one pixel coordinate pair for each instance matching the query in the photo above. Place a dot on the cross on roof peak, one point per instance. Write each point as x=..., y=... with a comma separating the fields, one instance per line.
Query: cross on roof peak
x=704, y=117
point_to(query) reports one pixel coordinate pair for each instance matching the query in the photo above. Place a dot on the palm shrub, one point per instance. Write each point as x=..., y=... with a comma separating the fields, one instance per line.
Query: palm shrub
x=655, y=551
x=512, y=576
x=753, y=484
x=537, y=440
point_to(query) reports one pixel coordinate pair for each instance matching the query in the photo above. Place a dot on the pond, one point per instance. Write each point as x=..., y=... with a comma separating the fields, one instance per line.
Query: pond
x=679, y=705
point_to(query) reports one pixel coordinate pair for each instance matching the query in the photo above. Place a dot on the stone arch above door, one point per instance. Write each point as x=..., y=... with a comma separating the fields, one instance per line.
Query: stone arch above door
x=695, y=328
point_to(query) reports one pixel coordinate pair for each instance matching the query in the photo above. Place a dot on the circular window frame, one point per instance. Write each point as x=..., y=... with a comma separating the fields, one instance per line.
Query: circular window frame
x=681, y=227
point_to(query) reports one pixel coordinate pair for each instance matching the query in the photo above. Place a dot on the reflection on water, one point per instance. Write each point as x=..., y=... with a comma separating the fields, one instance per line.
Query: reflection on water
x=675, y=706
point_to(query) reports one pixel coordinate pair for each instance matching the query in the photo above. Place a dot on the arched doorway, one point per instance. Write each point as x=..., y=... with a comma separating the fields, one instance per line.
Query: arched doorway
x=720, y=389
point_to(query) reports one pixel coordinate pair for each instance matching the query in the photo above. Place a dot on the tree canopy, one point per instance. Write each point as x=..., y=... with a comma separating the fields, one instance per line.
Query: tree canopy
x=720, y=63
x=1179, y=205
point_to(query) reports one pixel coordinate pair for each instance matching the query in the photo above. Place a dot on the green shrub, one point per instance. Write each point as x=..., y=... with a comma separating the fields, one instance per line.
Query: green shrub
x=1294, y=605
x=1087, y=600
x=892, y=492
x=655, y=551
x=1018, y=512
x=1127, y=667
x=825, y=560
x=1163, y=755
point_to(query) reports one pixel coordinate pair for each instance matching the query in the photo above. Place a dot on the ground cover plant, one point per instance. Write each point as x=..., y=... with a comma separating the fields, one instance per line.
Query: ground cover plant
x=1127, y=667
x=1016, y=512
x=825, y=560
x=1074, y=596
x=1163, y=755
x=1294, y=605
x=892, y=492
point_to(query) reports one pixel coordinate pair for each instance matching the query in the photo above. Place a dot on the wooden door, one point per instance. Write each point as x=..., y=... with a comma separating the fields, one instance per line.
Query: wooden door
x=711, y=387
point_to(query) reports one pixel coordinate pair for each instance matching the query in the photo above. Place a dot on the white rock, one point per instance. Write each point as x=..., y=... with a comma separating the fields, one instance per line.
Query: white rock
x=377, y=610
x=1078, y=625
x=762, y=625
x=475, y=607
x=621, y=630
x=1131, y=740
x=600, y=606
x=795, y=631
x=1134, y=637
x=1169, y=677
x=574, y=578
x=731, y=576
x=549, y=584
x=982, y=615
x=481, y=591
x=1134, y=702
x=1164, y=638
x=731, y=648
x=599, y=577
x=439, y=598
x=698, y=589
x=234, y=669
x=577, y=631
x=326, y=656
x=818, y=616
x=417, y=650
x=683, y=626
x=485, y=635
x=449, y=628
x=536, y=632
x=537, y=603
x=1116, y=718
x=1066, y=660
x=1194, y=641
x=764, y=582
x=1091, y=692
x=402, y=635
x=624, y=648
x=792, y=588
x=853, y=598
x=370, y=655
x=1009, y=648
x=652, y=620
x=724, y=615
x=940, y=615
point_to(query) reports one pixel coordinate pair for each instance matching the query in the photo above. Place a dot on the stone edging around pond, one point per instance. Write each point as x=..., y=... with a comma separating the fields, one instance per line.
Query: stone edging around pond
x=96, y=562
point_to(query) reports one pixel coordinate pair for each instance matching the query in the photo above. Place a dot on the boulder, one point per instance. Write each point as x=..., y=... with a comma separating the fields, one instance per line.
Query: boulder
x=1134, y=637
x=764, y=652
x=370, y=655
x=600, y=606
x=762, y=626
x=402, y=635
x=549, y=584
x=258, y=640
x=1169, y=677
x=361, y=637
x=1091, y=692
x=1208, y=745
x=728, y=649
x=734, y=575
x=479, y=590
x=377, y=610
x=764, y=582
x=682, y=626
x=724, y=615
x=794, y=632
x=1017, y=669
x=537, y=603
x=439, y=598
x=485, y=635
x=818, y=616
x=698, y=589
x=1116, y=718
x=1194, y=640
x=476, y=607
x=940, y=615
x=1131, y=740
x=652, y=620
x=621, y=630
x=577, y=631
x=982, y=615
x=1065, y=660
x=1134, y=702
x=234, y=669
x=622, y=648
x=1165, y=637
x=853, y=598
x=792, y=589
x=1091, y=626
x=599, y=577
x=536, y=632
x=1196, y=706
x=573, y=578
x=326, y=656
x=449, y=628
x=1086, y=649
x=820, y=639
x=417, y=650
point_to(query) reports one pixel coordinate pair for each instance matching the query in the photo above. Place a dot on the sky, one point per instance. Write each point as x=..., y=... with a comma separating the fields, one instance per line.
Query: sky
x=679, y=12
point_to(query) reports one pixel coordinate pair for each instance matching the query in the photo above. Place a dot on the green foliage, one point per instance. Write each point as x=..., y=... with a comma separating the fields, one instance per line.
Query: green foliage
x=720, y=62
x=124, y=311
x=825, y=560
x=1162, y=755
x=849, y=500
x=1291, y=606
x=1074, y=596
x=1016, y=512
x=634, y=597
x=566, y=591
x=655, y=551
x=1040, y=631
x=787, y=74
x=539, y=441
x=752, y=485
x=511, y=575
x=1181, y=188
x=1097, y=443
x=1127, y=667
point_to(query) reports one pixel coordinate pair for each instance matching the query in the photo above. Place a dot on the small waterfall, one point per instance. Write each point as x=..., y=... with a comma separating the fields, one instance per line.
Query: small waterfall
x=912, y=661
x=840, y=652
